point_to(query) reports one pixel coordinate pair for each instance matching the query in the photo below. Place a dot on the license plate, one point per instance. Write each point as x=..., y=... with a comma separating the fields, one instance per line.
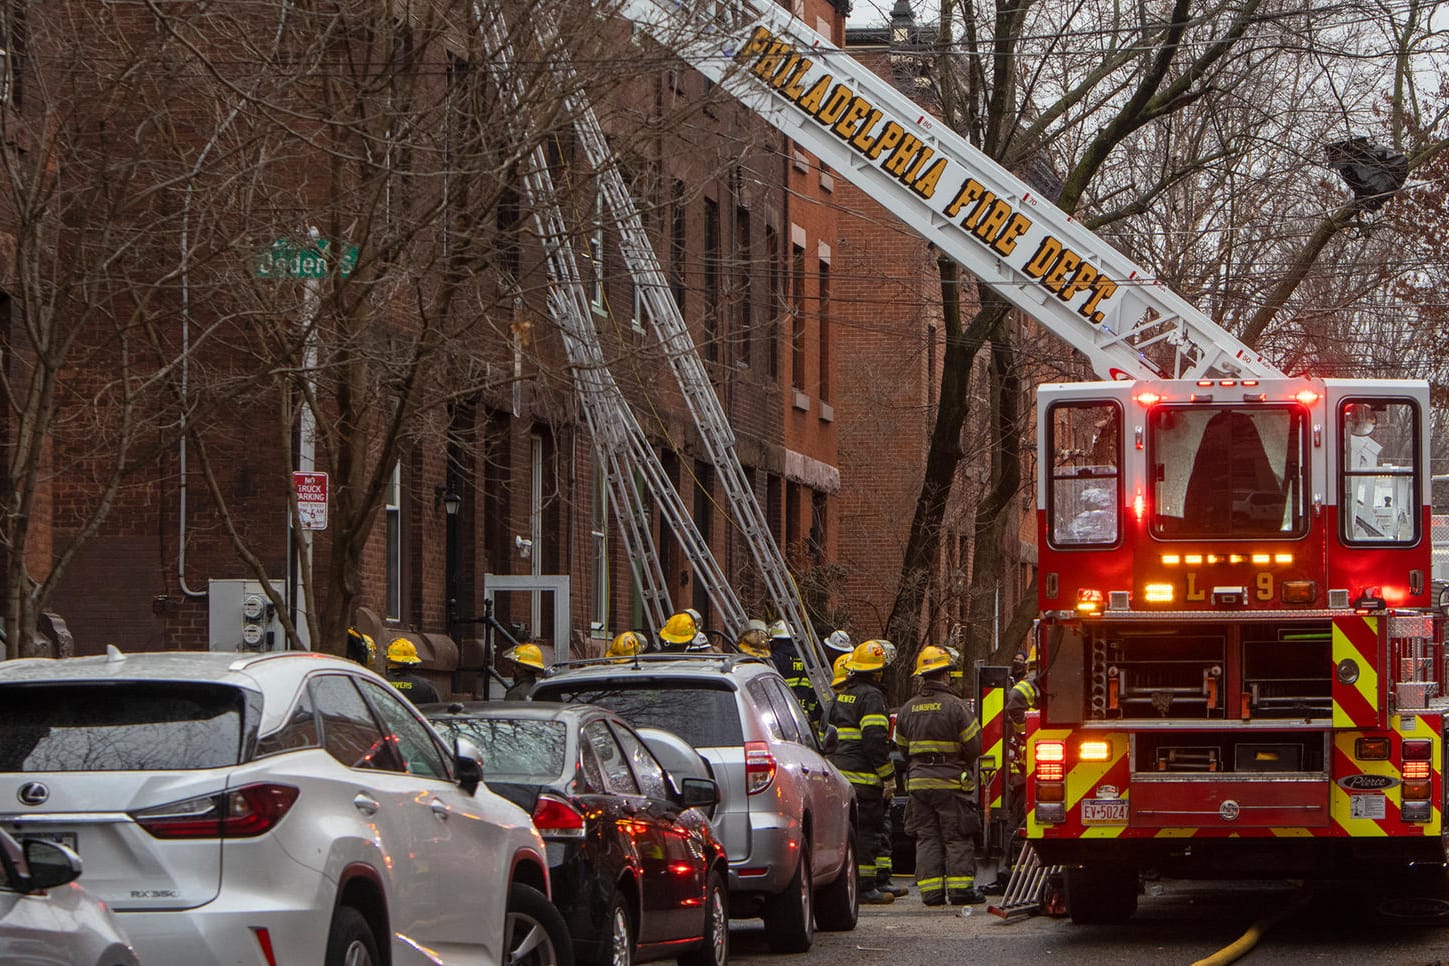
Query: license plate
x=1104, y=811
x=68, y=839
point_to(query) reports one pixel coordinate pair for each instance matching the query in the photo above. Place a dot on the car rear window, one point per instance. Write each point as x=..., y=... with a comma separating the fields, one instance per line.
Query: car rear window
x=514, y=749
x=121, y=726
x=703, y=715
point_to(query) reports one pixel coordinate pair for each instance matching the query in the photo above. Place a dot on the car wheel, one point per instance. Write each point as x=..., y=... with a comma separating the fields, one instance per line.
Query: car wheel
x=790, y=916
x=714, y=947
x=534, y=932
x=350, y=941
x=837, y=906
x=617, y=945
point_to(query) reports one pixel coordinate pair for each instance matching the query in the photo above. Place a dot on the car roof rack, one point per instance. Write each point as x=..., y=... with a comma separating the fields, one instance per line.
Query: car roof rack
x=726, y=662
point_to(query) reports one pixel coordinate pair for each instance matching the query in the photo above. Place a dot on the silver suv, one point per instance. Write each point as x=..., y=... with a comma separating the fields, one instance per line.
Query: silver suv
x=785, y=813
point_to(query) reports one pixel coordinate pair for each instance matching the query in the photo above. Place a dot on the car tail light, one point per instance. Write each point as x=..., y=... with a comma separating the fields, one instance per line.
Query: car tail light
x=759, y=767
x=557, y=819
x=237, y=814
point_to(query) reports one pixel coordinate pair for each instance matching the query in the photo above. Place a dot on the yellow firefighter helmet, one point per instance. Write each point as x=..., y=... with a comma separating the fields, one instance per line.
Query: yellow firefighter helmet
x=931, y=659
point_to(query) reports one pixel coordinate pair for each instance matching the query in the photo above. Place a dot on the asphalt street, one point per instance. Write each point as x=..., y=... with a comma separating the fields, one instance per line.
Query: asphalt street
x=1397, y=922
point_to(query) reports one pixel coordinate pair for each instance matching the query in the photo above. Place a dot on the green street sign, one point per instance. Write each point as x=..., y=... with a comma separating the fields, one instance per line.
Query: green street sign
x=286, y=260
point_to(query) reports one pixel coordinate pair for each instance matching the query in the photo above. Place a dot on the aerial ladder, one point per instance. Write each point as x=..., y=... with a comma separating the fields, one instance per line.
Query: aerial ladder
x=951, y=193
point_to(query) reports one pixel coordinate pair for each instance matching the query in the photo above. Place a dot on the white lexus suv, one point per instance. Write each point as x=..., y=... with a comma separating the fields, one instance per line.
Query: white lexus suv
x=275, y=808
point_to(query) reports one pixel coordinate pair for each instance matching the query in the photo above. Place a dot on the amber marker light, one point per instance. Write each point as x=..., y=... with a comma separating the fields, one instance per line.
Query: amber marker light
x=1089, y=601
x=1261, y=558
x=1371, y=749
x=1157, y=593
x=1094, y=750
x=1171, y=559
x=1282, y=558
x=1298, y=591
x=1193, y=559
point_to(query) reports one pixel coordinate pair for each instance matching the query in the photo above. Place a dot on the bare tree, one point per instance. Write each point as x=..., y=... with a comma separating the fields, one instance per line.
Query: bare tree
x=1167, y=131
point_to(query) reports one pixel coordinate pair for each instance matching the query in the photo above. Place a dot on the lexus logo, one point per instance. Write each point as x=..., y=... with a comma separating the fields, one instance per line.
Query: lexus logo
x=33, y=793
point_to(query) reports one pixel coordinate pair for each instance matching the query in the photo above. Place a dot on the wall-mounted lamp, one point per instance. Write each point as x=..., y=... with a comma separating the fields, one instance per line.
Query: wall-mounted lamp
x=452, y=503
x=525, y=546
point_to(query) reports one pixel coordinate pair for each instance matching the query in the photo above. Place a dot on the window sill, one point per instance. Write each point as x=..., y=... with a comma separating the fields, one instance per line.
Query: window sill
x=802, y=401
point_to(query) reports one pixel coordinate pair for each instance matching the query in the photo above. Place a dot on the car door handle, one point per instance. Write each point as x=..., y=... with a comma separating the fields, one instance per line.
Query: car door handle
x=366, y=804
x=441, y=809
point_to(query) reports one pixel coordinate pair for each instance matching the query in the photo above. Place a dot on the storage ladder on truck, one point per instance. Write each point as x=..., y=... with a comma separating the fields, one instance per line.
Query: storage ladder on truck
x=1240, y=668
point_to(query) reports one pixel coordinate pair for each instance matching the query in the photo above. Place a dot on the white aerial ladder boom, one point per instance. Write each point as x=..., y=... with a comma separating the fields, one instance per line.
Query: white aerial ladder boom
x=948, y=191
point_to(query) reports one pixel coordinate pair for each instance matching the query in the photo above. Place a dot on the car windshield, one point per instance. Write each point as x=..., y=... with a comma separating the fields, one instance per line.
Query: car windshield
x=704, y=716
x=120, y=726
x=514, y=749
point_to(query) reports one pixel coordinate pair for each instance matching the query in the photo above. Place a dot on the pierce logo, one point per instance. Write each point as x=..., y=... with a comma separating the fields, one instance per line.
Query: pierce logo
x=1367, y=783
x=33, y=793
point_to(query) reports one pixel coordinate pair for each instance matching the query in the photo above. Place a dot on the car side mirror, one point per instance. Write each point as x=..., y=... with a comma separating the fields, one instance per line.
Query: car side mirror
x=51, y=865
x=698, y=793
x=467, y=765
x=830, y=742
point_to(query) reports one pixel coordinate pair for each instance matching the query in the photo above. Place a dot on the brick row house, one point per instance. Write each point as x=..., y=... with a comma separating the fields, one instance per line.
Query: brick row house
x=317, y=254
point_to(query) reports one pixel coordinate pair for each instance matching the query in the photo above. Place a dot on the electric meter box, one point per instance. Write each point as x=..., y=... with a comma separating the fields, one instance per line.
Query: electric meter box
x=242, y=618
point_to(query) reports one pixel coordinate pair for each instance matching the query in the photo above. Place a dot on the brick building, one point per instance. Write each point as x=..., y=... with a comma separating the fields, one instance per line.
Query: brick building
x=271, y=262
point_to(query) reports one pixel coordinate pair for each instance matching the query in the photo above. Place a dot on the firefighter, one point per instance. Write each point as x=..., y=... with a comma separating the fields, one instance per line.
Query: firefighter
x=863, y=756
x=786, y=655
x=528, y=667
x=361, y=648
x=678, y=632
x=1024, y=692
x=755, y=640
x=838, y=642
x=884, y=858
x=940, y=739
x=402, y=657
x=625, y=647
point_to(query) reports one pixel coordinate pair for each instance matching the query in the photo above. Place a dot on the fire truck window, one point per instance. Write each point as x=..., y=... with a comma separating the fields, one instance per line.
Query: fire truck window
x=1379, y=498
x=1228, y=472
x=1085, y=493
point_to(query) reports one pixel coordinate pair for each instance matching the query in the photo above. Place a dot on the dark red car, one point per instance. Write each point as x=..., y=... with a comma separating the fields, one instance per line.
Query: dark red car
x=635, y=867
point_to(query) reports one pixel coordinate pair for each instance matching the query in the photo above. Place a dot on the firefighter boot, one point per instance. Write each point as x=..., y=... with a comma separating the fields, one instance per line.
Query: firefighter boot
x=890, y=887
x=876, y=898
x=967, y=897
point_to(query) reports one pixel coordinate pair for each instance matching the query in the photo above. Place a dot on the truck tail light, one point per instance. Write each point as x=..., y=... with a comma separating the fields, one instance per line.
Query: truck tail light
x=1417, y=754
x=759, y=766
x=1371, y=749
x=237, y=814
x=557, y=819
x=1090, y=601
x=1094, y=750
x=1051, y=761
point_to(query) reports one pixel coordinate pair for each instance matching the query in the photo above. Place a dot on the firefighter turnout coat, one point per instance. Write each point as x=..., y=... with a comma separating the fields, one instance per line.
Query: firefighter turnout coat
x=939, y=738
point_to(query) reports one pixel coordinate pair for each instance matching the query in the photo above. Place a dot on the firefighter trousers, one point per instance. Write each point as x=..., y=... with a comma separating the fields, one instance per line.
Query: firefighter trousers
x=944, y=824
x=870, y=806
x=883, y=864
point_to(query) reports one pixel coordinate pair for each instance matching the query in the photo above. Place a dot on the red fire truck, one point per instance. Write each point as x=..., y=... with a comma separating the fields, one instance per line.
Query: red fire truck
x=1240, y=664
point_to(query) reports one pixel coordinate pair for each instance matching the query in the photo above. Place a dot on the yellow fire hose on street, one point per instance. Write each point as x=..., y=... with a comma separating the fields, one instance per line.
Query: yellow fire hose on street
x=1240, y=947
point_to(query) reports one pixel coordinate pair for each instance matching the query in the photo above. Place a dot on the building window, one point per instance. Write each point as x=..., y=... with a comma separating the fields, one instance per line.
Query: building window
x=600, y=534
x=774, y=508
x=394, y=544
x=712, y=256
x=677, y=244
x=596, y=252
x=777, y=298
x=797, y=317
x=817, y=527
x=792, y=517
x=704, y=522
x=744, y=288
x=824, y=325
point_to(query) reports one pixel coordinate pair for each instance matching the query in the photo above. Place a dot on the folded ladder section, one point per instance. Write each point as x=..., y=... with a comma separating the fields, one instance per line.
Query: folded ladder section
x=622, y=446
